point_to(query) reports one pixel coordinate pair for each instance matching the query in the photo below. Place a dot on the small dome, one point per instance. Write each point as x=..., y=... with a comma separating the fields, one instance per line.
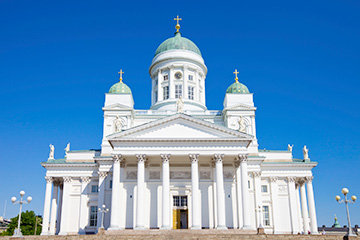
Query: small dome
x=237, y=87
x=177, y=42
x=120, y=88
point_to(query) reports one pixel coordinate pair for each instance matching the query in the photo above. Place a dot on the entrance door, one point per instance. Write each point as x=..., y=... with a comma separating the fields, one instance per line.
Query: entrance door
x=180, y=212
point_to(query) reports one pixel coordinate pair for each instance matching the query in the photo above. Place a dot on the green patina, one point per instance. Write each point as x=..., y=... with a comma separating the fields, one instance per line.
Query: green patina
x=120, y=88
x=237, y=87
x=177, y=42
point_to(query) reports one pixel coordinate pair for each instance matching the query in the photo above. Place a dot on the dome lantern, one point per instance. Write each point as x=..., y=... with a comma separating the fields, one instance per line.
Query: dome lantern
x=120, y=87
x=237, y=87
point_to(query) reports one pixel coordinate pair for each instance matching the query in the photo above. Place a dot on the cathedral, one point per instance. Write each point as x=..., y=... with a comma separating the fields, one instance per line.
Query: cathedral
x=179, y=165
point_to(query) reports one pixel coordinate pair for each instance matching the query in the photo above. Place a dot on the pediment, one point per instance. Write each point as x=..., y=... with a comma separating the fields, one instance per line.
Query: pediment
x=116, y=106
x=241, y=107
x=179, y=127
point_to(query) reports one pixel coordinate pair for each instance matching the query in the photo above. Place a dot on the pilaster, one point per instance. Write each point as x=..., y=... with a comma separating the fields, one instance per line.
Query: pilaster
x=65, y=206
x=83, y=204
x=221, y=223
x=141, y=158
x=165, y=191
x=195, y=204
x=47, y=202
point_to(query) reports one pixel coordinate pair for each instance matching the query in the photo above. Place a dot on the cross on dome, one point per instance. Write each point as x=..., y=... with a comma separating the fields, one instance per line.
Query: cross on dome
x=236, y=77
x=177, y=19
x=121, y=72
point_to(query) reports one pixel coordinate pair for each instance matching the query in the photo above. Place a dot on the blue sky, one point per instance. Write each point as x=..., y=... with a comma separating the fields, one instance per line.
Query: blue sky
x=300, y=59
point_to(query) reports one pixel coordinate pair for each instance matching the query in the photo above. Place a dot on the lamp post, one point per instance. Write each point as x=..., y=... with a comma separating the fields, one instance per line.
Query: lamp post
x=345, y=191
x=18, y=233
x=103, y=210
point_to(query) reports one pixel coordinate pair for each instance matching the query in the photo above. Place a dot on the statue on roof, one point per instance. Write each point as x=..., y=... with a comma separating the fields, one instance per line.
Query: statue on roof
x=290, y=147
x=67, y=148
x=52, y=151
x=118, y=124
x=242, y=124
x=306, y=153
x=180, y=105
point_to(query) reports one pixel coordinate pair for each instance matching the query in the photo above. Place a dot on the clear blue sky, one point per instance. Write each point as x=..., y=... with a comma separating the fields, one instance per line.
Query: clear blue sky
x=300, y=59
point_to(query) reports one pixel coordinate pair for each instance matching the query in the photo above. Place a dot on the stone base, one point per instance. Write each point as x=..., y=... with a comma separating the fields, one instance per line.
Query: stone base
x=17, y=238
x=101, y=231
x=260, y=231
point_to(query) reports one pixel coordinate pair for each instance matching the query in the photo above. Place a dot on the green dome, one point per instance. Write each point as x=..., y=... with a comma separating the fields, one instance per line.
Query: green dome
x=120, y=88
x=237, y=87
x=177, y=42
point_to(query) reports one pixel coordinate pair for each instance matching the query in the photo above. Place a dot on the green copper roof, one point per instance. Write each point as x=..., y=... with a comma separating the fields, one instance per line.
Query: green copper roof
x=336, y=223
x=237, y=87
x=120, y=88
x=177, y=42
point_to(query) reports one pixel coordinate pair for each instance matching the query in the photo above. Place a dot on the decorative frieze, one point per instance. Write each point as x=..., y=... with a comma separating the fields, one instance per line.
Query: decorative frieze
x=154, y=175
x=283, y=189
x=205, y=175
x=194, y=157
x=180, y=175
x=131, y=175
x=229, y=175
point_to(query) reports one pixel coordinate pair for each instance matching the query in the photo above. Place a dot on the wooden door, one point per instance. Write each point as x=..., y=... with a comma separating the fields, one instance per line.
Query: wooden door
x=176, y=218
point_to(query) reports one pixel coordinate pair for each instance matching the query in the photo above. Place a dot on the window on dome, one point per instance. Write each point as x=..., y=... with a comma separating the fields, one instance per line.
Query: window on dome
x=166, y=92
x=178, y=91
x=166, y=77
x=191, y=93
x=191, y=77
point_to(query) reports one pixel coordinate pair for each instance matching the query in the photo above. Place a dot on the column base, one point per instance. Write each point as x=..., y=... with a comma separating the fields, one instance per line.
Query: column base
x=114, y=228
x=101, y=231
x=165, y=227
x=44, y=233
x=247, y=228
x=139, y=228
x=195, y=227
x=63, y=233
x=221, y=227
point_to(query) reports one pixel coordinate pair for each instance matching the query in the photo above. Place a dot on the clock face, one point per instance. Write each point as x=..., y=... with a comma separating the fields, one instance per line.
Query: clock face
x=178, y=75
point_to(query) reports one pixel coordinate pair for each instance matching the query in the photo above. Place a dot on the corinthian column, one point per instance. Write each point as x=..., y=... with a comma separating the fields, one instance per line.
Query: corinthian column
x=274, y=201
x=65, y=206
x=258, y=197
x=83, y=204
x=221, y=223
x=141, y=158
x=54, y=207
x=312, y=212
x=245, y=191
x=304, y=206
x=115, y=197
x=293, y=204
x=195, y=204
x=165, y=191
x=47, y=202
x=101, y=195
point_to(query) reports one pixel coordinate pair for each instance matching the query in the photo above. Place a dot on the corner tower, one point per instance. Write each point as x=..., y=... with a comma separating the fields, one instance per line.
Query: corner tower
x=178, y=69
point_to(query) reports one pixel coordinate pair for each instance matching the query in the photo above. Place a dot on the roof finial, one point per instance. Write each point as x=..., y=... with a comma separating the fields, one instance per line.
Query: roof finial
x=177, y=19
x=236, y=77
x=121, y=73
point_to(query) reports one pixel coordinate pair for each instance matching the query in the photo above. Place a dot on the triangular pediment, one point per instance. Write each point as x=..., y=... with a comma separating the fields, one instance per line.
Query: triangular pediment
x=117, y=106
x=179, y=127
x=241, y=107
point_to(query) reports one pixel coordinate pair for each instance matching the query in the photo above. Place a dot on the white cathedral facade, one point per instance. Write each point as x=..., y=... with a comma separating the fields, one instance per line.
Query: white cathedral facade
x=179, y=165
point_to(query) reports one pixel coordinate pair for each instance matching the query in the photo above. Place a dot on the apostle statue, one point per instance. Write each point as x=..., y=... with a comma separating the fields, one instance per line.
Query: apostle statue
x=52, y=150
x=118, y=124
x=242, y=124
x=290, y=147
x=67, y=149
x=306, y=153
x=180, y=105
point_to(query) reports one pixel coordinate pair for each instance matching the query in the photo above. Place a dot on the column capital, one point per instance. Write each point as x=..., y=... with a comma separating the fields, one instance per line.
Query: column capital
x=256, y=174
x=117, y=158
x=194, y=158
x=273, y=179
x=56, y=183
x=49, y=179
x=301, y=181
x=309, y=179
x=141, y=158
x=242, y=158
x=237, y=164
x=102, y=174
x=291, y=179
x=85, y=179
x=165, y=157
x=218, y=158
x=67, y=179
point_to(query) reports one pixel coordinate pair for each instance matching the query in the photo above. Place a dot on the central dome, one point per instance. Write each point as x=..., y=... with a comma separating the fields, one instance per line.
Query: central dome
x=177, y=42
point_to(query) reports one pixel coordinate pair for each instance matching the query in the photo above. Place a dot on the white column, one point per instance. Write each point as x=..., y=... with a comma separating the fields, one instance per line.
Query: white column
x=195, y=211
x=298, y=207
x=65, y=206
x=160, y=93
x=141, y=158
x=165, y=191
x=53, y=208
x=312, y=212
x=221, y=223
x=115, y=196
x=171, y=83
x=101, y=195
x=258, y=197
x=186, y=79
x=304, y=206
x=239, y=197
x=83, y=205
x=245, y=191
x=47, y=202
x=58, y=217
x=293, y=205
x=274, y=201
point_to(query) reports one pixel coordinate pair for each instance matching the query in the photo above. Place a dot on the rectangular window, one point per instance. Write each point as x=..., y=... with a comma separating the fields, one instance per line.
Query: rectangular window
x=266, y=216
x=264, y=188
x=178, y=91
x=191, y=93
x=180, y=201
x=110, y=184
x=93, y=216
x=191, y=77
x=166, y=92
x=166, y=77
x=94, y=188
x=156, y=96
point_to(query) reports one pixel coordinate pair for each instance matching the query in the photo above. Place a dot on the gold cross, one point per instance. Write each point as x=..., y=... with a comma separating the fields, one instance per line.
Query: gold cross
x=177, y=19
x=121, y=72
x=236, y=77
